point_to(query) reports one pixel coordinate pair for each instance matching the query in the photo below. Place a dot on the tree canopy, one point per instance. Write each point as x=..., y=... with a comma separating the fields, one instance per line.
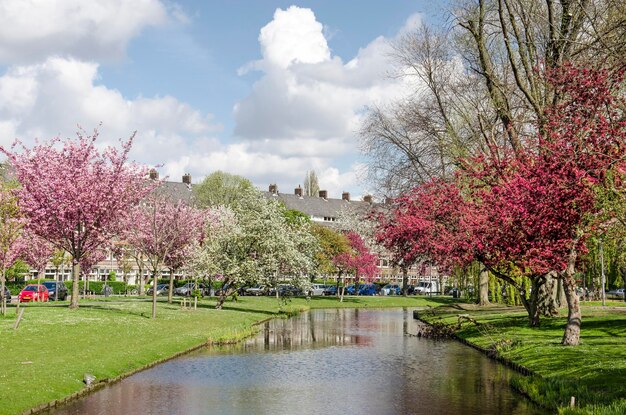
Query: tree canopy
x=221, y=189
x=75, y=195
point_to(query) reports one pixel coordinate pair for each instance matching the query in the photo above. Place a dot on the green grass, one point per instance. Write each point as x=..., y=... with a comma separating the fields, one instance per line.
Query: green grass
x=594, y=372
x=46, y=358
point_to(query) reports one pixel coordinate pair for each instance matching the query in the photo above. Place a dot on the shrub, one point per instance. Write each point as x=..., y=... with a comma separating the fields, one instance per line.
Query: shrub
x=95, y=287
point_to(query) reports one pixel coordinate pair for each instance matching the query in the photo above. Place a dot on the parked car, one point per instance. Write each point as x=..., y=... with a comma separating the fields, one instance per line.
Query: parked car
x=162, y=289
x=619, y=293
x=454, y=292
x=187, y=289
x=7, y=294
x=287, y=290
x=391, y=289
x=33, y=292
x=56, y=290
x=364, y=289
x=255, y=290
x=330, y=290
x=349, y=290
x=369, y=289
x=317, y=289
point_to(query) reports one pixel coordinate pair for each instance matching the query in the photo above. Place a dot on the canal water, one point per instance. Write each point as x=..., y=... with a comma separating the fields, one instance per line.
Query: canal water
x=321, y=362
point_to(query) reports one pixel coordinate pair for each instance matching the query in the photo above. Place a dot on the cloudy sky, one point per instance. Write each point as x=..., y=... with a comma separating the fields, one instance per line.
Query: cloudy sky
x=263, y=89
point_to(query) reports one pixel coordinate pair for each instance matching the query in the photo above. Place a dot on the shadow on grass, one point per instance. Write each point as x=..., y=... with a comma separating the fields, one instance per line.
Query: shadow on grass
x=232, y=307
x=122, y=311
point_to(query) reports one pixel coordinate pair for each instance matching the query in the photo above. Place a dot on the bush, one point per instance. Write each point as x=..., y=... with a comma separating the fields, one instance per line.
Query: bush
x=95, y=287
x=15, y=286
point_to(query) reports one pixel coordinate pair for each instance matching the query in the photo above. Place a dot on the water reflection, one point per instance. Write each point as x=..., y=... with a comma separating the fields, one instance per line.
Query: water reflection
x=311, y=330
x=325, y=361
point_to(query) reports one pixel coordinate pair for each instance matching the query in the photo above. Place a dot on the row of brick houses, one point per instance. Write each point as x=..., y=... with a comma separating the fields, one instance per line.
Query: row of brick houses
x=327, y=211
x=322, y=209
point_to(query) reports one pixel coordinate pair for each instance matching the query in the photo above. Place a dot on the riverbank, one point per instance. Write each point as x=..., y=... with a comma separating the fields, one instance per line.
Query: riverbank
x=46, y=358
x=593, y=372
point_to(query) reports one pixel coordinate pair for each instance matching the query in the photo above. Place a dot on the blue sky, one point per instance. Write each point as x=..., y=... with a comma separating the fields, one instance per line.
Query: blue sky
x=264, y=89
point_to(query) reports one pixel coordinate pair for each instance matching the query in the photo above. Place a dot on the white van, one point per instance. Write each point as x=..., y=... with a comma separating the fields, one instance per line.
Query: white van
x=427, y=287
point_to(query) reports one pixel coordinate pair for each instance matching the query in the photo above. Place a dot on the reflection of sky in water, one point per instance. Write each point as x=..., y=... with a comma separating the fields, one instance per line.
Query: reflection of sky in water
x=326, y=362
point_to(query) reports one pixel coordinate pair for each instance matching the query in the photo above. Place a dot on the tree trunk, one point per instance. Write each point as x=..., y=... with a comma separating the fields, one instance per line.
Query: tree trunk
x=548, y=292
x=342, y=288
x=624, y=279
x=560, y=293
x=530, y=304
x=405, y=281
x=571, y=336
x=154, y=293
x=483, y=286
x=170, y=291
x=224, y=294
x=534, y=314
x=75, y=278
x=142, y=282
x=3, y=305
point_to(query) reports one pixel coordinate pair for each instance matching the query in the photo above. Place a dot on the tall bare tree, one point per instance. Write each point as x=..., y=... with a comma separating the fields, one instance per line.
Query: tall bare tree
x=311, y=184
x=480, y=82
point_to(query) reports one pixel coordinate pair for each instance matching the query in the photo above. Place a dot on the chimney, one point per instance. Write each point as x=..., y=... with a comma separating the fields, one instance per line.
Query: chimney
x=298, y=191
x=367, y=198
x=187, y=178
x=154, y=175
x=323, y=194
x=345, y=196
x=273, y=189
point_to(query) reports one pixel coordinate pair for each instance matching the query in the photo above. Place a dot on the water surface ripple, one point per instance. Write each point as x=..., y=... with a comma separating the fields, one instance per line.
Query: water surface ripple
x=321, y=362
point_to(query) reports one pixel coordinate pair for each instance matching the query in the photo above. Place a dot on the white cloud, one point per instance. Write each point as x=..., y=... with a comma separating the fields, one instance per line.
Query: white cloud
x=32, y=30
x=302, y=114
x=293, y=36
x=51, y=98
x=309, y=103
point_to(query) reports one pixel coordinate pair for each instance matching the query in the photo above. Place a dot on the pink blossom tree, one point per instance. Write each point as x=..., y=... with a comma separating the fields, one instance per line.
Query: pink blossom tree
x=160, y=229
x=547, y=200
x=36, y=252
x=75, y=195
x=359, y=261
x=189, y=229
x=533, y=210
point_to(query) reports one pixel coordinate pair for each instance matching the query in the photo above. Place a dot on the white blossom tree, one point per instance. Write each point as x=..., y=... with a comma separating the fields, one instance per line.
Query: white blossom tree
x=254, y=242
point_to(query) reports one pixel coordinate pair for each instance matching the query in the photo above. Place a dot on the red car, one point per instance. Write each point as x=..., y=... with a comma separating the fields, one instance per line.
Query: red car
x=33, y=292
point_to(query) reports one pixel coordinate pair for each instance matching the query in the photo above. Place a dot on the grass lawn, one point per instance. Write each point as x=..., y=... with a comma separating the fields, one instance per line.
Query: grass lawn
x=594, y=372
x=46, y=358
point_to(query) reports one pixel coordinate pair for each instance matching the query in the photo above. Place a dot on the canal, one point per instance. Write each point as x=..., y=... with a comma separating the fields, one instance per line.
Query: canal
x=320, y=362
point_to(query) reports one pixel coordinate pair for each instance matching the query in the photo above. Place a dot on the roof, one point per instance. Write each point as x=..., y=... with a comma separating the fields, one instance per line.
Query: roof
x=317, y=206
x=178, y=191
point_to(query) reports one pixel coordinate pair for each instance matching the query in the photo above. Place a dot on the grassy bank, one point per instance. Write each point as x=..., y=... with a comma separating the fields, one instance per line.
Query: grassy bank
x=594, y=372
x=46, y=358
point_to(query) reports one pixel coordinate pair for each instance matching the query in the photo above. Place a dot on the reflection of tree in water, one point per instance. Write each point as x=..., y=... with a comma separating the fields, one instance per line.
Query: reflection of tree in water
x=394, y=373
x=309, y=330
